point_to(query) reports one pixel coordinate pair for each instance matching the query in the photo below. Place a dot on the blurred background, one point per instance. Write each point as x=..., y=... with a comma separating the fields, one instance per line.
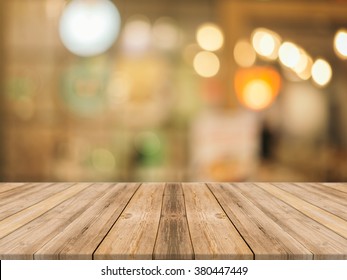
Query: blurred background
x=185, y=90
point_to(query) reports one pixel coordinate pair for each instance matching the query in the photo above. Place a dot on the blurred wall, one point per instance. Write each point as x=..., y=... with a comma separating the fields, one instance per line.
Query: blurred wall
x=2, y=83
x=71, y=118
x=147, y=115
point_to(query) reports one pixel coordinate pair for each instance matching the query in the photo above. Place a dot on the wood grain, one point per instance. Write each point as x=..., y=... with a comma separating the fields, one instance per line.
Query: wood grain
x=337, y=186
x=80, y=238
x=19, y=192
x=133, y=235
x=330, y=200
x=321, y=241
x=33, y=235
x=173, y=221
x=173, y=240
x=24, y=197
x=213, y=235
x=266, y=238
x=331, y=221
x=4, y=187
x=23, y=217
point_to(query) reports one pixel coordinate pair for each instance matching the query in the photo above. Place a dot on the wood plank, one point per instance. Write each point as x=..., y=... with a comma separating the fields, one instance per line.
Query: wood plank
x=321, y=241
x=173, y=240
x=14, y=204
x=4, y=187
x=337, y=194
x=266, y=238
x=28, y=239
x=81, y=238
x=14, y=194
x=133, y=235
x=337, y=186
x=212, y=234
x=330, y=200
x=23, y=217
x=329, y=220
x=174, y=221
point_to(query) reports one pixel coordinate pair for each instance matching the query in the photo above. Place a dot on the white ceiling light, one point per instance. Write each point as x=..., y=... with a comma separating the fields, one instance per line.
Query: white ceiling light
x=210, y=37
x=340, y=43
x=321, y=72
x=266, y=43
x=289, y=54
x=89, y=28
x=206, y=64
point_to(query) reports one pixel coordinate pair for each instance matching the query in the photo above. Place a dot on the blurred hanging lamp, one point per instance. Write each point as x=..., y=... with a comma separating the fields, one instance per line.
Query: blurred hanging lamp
x=257, y=87
x=321, y=72
x=89, y=27
x=340, y=43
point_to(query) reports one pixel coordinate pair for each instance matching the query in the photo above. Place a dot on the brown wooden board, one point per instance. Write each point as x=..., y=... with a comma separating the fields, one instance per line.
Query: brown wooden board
x=328, y=219
x=317, y=238
x=4, y=187
x=133, y=235
x=265, y=237
x=173, y=240
x=33, y=232
x=24, y=197
x=81, y=238
x=173, y=221
x=213, y=235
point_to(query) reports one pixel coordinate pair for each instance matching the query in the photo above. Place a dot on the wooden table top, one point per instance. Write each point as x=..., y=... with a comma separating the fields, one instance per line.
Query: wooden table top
x=173, y=221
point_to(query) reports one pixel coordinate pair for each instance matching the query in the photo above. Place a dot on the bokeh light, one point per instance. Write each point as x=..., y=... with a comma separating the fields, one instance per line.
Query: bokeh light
x=136, y=36
x=302, y=62
x=244, y=53
x=89, y=28
x=306, y=73
x=321, y=72
x=340, y=43
x=206, y=64
x=266, y=43
x=210, y=37
x=289, y=54
x=257, y=87
x=304, y=65
x=257, y=94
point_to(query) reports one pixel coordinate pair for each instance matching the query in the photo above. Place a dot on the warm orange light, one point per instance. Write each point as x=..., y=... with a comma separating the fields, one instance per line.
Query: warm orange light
x=257, y=87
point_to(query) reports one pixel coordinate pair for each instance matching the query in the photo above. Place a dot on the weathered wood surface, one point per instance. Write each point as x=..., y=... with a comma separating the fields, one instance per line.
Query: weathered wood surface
x=173, y=240
x=213, y=235
x=173, y=220
x=133, y=235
